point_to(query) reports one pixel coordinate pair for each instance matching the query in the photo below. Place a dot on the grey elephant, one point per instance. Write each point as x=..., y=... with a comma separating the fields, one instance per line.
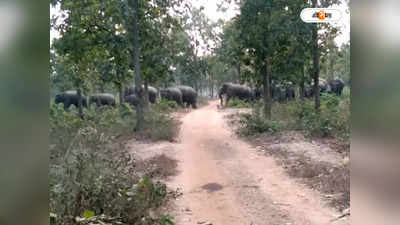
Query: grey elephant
x=257, y=93
x=189, y=96
x=69, y=98
x=132, y=100
x=336, y=86
x=231, y=90
x=172, y=94
x=153, y=92
x=290, y=92
x=323, y=88
x=102, y=99
x=278, y=93
x=308, y=92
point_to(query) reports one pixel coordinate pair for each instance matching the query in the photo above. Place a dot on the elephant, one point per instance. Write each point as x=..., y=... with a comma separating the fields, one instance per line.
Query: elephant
x=172, y=94
x=257, y=93
x=308, y=92
x=102, y=99
x=153, y=92
x=278, y=93
x=290, y=92
x=336, y=86
x=231, y=90
x=69, y=98
x=189, y=96
x=132, y=100
x=323, y=88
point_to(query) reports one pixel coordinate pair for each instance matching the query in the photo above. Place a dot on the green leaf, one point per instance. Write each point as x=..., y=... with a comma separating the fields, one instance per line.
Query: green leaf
x=88, y=214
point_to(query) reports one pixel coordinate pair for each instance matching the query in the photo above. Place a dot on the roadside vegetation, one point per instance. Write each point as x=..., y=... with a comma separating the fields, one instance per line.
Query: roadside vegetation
x=93, y=180
x=331, y=121
x=330, y=124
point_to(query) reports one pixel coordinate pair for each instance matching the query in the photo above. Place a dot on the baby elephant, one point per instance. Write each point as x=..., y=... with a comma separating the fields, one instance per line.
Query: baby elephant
x=102, y=99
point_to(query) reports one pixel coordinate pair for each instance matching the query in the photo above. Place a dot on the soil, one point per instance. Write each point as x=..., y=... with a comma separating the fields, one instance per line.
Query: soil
x=222, y=180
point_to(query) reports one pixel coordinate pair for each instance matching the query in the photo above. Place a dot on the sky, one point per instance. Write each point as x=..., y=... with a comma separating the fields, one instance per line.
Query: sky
x=211, y=10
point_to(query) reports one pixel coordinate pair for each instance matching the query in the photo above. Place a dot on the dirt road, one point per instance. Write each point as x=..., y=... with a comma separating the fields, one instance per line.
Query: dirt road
x=225, y=182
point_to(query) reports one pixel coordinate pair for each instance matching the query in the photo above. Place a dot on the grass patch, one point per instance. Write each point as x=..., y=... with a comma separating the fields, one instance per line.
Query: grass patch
x=332, y=120
x=238, y=103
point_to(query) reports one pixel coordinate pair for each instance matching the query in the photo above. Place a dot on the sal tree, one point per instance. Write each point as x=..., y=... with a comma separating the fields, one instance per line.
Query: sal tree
x=262, y=25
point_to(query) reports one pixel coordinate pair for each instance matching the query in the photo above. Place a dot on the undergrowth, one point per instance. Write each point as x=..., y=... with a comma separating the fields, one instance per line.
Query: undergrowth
x=93, y=180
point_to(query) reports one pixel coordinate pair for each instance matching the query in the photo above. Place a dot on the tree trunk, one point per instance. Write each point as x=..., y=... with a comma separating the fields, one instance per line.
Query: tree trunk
x=302, y=89
x=121, y=94
x=80, y=103
x=136, y=61
x=267, y=90
x=146, y=94
x=315, y=52
x=238, y=70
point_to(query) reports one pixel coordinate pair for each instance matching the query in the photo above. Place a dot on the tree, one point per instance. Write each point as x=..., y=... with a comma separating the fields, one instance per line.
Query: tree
x=316, y=49
x=262, y=25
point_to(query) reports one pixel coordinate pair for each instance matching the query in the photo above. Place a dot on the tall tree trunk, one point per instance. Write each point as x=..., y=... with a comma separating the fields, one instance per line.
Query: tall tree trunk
x=121, y=94
x=267, y=90
x=120, y=87
x=80, y=102
x=146, y=94
x=315, y=52
x=136, y=61
x=302, y=89
x=238, y=70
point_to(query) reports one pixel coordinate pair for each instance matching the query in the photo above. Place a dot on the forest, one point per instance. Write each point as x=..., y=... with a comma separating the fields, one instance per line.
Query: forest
x=127, y=76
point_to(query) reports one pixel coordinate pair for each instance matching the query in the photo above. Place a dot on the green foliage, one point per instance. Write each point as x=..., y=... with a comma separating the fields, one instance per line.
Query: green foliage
x=88, y=214
x=160, y=124
x=166, y=106
x=332, y=120
x=92, y=178
x=254, y=123
x=238, y=103
x=166, y=220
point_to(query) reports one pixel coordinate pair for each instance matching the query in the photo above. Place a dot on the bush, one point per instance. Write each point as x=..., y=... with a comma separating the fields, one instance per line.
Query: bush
x=166, y=106
x=160, y=125
x=332, y=120
x=92, y=181
x=255, y=123
x=237, y=103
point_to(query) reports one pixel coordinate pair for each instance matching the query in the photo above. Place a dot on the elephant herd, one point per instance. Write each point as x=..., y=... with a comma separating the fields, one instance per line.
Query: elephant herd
x=182, y=95
x=279, y=92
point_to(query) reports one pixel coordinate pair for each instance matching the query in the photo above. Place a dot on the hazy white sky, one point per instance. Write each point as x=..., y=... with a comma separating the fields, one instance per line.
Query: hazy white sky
x=211, y=10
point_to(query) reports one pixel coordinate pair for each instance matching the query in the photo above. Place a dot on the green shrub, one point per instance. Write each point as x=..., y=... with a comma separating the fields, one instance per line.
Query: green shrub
x=92, y=181
x=332, y=120
x=160, y=125
x=237, y=103
x=254, y=123
x=165, y=106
